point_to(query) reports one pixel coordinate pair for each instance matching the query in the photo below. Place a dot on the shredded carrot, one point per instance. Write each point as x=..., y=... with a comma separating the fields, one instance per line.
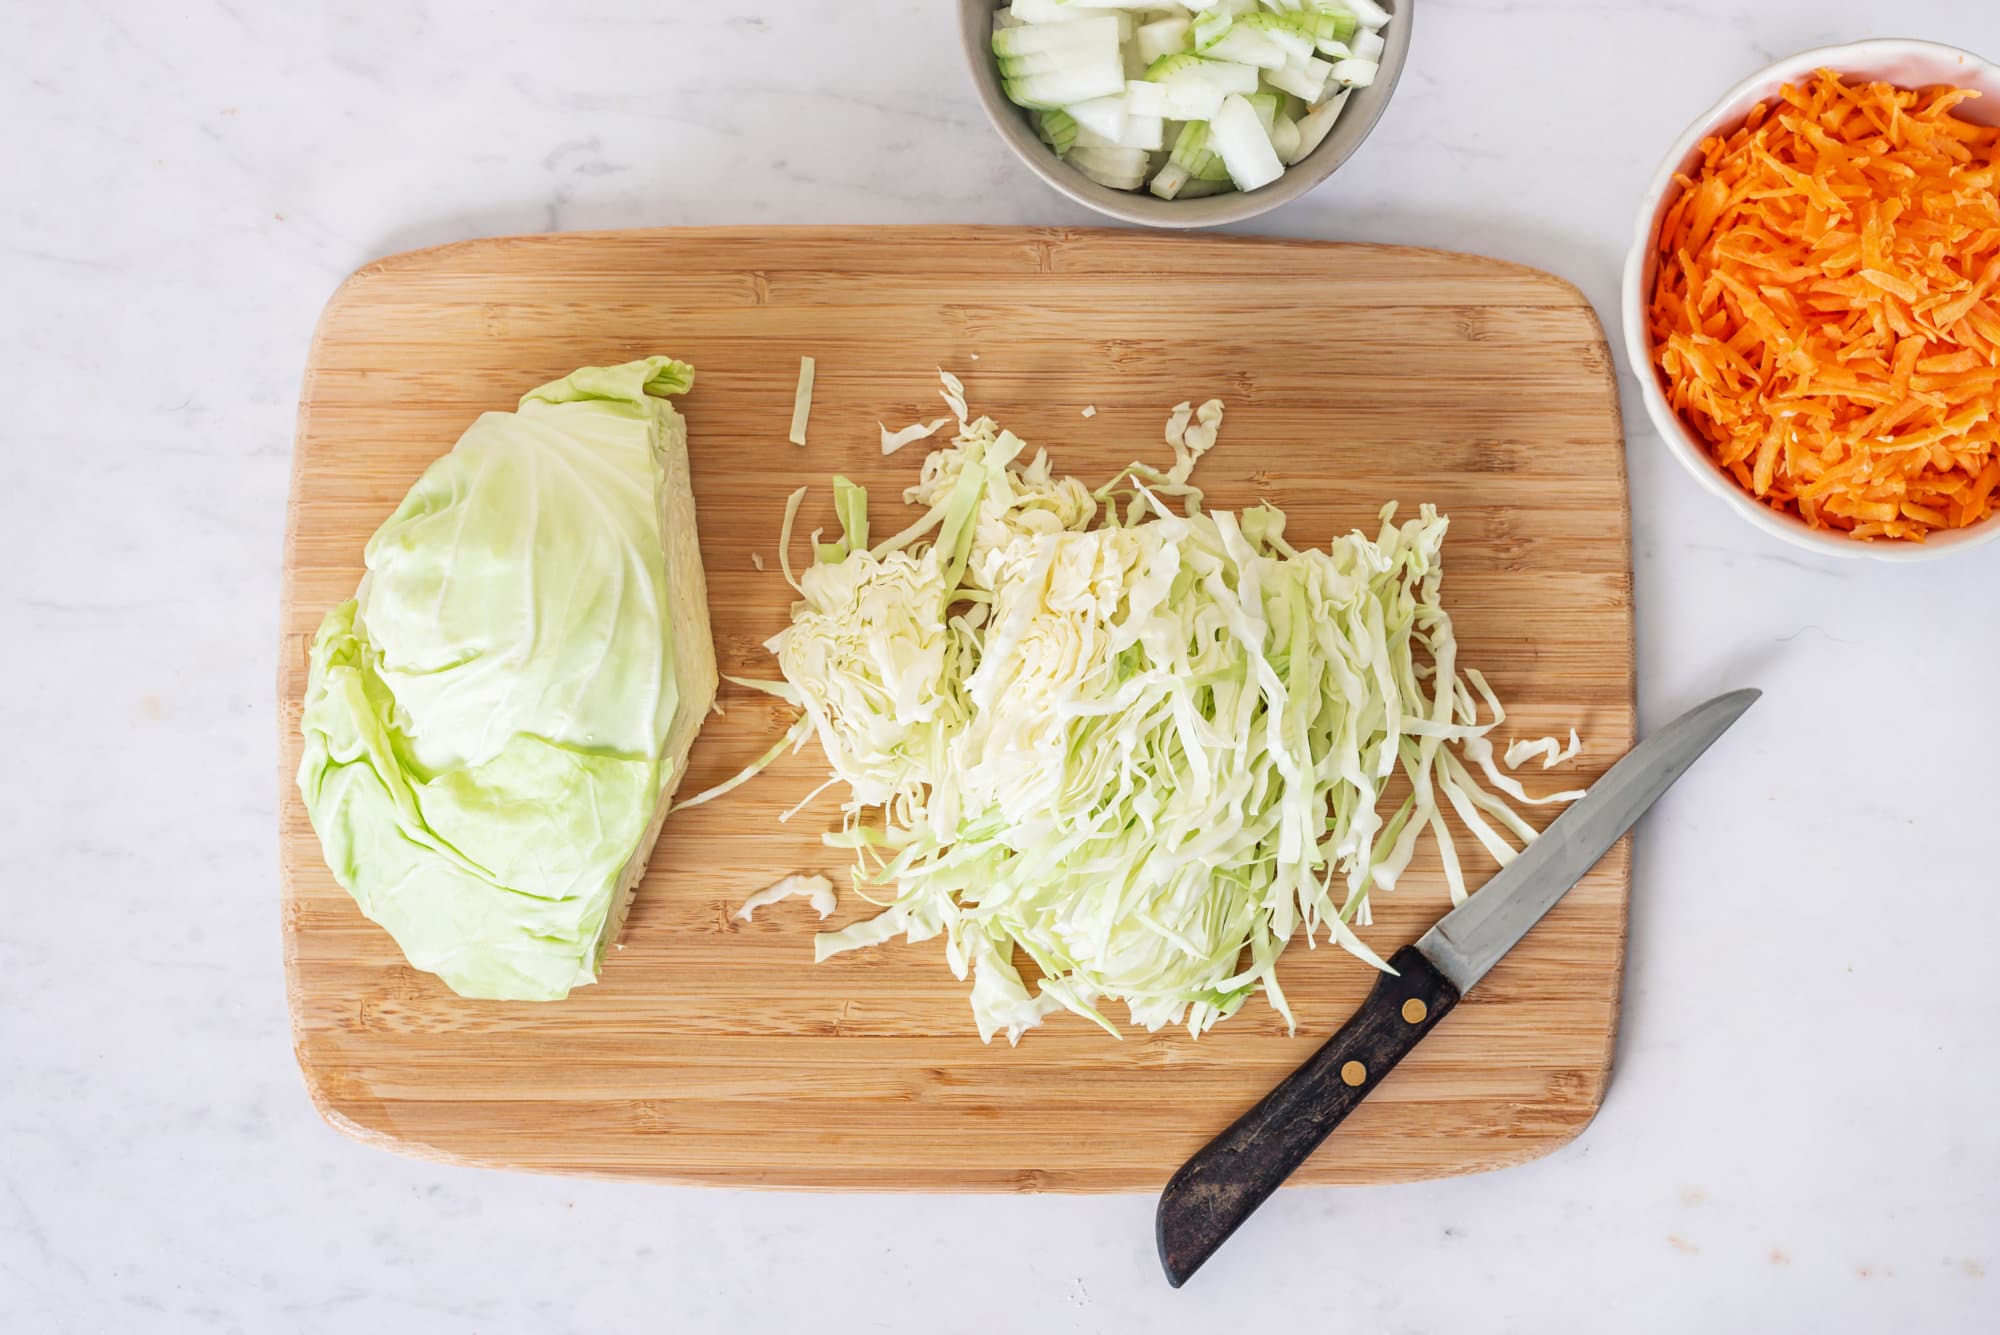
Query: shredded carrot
x=1826, y=309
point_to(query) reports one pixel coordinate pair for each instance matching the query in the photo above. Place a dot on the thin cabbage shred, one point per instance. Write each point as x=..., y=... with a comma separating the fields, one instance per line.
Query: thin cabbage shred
x=1552, y=752
x=1136, y=744
x=815, y=889
x=896, y=440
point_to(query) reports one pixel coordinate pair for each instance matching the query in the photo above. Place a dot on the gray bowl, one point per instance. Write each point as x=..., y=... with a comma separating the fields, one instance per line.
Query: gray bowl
x=1364, y=108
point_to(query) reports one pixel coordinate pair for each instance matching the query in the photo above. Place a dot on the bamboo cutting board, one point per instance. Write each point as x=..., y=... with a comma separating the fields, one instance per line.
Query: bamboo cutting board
x=716, y=1051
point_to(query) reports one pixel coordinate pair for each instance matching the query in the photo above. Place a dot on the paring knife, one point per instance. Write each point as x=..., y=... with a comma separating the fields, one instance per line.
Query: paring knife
x=1216, y=1190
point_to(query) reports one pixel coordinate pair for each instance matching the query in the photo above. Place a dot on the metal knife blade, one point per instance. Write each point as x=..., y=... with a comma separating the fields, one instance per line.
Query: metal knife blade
x=1224, y=1183
x=1470, y=939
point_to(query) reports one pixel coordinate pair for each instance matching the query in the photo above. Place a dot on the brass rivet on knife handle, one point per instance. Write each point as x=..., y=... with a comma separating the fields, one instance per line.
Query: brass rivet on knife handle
x=1414, y=1010
x=1353, y=1073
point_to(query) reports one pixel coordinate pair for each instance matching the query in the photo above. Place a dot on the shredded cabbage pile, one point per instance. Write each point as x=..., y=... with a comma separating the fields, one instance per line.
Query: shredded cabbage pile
x=1138, y=743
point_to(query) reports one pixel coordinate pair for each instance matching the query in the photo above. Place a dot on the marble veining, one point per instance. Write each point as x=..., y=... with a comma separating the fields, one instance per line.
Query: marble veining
x=1800, y=1132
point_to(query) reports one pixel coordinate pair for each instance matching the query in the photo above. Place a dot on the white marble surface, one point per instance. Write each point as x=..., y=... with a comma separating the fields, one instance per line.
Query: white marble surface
x=1801, y=1133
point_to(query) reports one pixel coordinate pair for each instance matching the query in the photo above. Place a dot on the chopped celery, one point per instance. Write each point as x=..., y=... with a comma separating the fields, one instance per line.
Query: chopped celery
x=1113, y=76
x=1057, y=129
x=1239, y=135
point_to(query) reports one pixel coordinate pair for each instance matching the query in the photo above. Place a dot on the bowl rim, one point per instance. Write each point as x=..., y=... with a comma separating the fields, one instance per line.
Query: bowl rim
x=1681, y=441
x=1008, y=121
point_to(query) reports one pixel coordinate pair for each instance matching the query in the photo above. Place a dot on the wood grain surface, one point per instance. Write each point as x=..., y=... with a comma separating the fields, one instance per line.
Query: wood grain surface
x=717, y=1051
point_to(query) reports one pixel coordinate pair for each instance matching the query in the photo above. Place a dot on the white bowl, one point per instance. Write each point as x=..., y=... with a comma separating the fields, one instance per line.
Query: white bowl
x=1894, y=60
x=1364, y=108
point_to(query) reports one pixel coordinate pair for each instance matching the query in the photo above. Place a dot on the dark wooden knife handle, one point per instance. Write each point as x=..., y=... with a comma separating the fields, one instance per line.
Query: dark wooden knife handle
x=1216, y=1190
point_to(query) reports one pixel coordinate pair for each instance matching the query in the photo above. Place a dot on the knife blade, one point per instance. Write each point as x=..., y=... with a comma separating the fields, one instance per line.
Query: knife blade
x=1223, y=1184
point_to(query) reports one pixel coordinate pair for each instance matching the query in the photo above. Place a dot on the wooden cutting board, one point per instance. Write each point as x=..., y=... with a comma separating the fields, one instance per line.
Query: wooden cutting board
x=717, y=1051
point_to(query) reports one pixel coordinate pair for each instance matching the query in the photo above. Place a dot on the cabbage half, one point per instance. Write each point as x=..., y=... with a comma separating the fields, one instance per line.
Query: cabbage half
x=494, y=723
x=1136, y=745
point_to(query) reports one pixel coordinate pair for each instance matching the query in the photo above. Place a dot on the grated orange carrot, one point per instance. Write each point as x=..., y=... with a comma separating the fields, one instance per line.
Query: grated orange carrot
x=1826, y=308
